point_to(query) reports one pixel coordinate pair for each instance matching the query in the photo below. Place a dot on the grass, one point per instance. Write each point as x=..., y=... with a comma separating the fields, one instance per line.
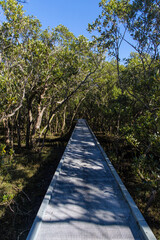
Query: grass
x=122, y=156
x=23, y=186
x=25, y=181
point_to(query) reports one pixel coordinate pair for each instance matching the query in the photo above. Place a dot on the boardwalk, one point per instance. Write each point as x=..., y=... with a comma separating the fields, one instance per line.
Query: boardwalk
x=86, y=199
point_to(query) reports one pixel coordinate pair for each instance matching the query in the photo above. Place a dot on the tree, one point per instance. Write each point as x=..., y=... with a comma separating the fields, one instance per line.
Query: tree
x=140, y=19
x=41, y=71
x=135, y=109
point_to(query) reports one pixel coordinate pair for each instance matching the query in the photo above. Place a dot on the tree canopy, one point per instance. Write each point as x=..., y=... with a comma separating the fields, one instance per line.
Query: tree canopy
x=48, y=78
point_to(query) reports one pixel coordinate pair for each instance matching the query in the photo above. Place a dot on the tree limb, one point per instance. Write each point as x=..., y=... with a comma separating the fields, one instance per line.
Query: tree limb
x=61, y=104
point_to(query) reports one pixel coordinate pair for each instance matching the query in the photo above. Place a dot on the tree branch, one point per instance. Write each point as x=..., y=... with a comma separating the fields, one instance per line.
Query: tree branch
x=61, y=104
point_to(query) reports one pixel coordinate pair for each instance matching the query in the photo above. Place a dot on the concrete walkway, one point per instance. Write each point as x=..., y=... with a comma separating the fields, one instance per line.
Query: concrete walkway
x=84, y=201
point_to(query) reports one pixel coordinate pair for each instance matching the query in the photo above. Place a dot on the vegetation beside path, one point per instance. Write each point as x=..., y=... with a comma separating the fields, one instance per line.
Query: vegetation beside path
x=142, y=191
x=49, y=78
x=23, y=186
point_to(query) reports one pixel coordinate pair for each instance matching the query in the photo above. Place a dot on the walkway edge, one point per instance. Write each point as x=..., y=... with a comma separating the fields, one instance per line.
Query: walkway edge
x=145, y=229
x=37, y=221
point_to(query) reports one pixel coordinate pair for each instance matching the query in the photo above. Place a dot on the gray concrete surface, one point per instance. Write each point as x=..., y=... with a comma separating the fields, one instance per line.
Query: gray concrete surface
x=84, y=201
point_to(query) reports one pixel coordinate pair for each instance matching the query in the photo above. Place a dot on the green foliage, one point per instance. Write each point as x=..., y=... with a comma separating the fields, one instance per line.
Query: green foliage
x=42, y=70
x=132, y=140
x=7, y=198
x=50, y=77
x=2, y=150
x=146, y=167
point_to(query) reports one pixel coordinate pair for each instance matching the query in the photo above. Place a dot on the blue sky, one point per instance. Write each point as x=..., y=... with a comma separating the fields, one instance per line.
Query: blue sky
x=74, y=14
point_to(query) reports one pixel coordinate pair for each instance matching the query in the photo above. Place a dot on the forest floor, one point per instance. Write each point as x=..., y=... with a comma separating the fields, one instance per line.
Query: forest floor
x=24, y=184
x=122, y=156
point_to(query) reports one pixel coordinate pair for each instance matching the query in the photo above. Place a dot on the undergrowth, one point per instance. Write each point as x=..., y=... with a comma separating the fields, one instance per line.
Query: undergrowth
x=23, y=184
x=141, y=181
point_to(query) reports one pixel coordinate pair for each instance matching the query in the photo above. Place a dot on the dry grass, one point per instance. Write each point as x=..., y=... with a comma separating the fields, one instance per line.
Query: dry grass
x=22, y=187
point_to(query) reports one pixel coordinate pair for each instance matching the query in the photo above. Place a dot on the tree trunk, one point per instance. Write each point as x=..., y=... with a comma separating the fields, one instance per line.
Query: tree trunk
x=56, y=126
x=11, y=133
x=29, y=122
x=65, y=100
x=43, y=130
x=19, y=130
x=38, y=120
x=118, y=124
x=7, y=132
x=75, y=112
x=64, y=120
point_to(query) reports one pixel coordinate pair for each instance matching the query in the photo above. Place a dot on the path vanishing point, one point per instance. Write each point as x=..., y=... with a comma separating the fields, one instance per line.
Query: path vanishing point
x=86, y=199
